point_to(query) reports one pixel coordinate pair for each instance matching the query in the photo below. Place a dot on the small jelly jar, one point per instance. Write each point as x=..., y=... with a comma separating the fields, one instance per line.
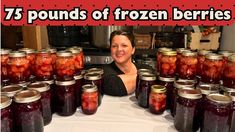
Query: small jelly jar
x=187, y=118
x=159, y=56
x=6, y=114
x=157, y=99
x=78, y=88
x=168, y=64
x=27, y=109
x=65, y=98
x=78, y=56
x=11, y=90
x=45, y=92
x=30, y=55
x=89, y=99
x=232, y=116
x=201, y=58
x=4, y=63
x=229, y=73
x=217, y=113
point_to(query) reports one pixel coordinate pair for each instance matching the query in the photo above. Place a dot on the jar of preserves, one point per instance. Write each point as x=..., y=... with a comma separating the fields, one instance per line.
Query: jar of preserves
x=212, y=69
x=11, y=90
x=45, y=92
x=65, y=98
x=65, y=66
x=159, y=56
x=78, y=88
x=225, y=54
x=188, y=65
x=89, y=99
x=157, y=99
x=217, y=113
x=30, y=55
x=187, y=118
x=146, y=81
x=232, y=126
x=201, y=58
x=4, y=63
x=78, y=56
x=179, y=55
x=229, y=73
x=168, y=64
x=18, y=69
x=53, y=56
x=6, y=114
x=27, y=109
x=43, y=66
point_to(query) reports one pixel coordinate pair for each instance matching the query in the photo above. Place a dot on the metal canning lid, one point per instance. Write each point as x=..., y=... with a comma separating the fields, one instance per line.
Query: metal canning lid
x=184, y=84
x=92, y=76
x=64, y=53
x=158, y=89
x=145, y=73
x=17, y=54
x=213, y=56
x=44, y=51
x=166, y=79
x=52, y=50
x=231, y=58
x=39, y=86
x=77, y=48
x=89, y=88
x=77, y=77
x=231, y=94
x=27, y=96
x=189, y=53
x=169, y=53
x=74, y=50
x=219, y=98
x=204, y=52
x=180, y=50
x=11, y=90
x=164, y=49
x=144, y=70
x=225, y=53
x=190, y=93
x=225, y=89
x=27, y=50
x=149, y=77
x=48, y=82
x=5, y=51
x=207, y=89
x=65, y=83
x=96, y=70
x=5, y=101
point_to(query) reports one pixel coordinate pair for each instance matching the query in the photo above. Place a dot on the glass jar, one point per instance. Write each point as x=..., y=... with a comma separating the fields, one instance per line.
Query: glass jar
x=30, y=56
x=6, y=114
x=89, y=99
x=53, y=56
x=78, y=56
x=229, y=73
x=157, y=99
x=225, y=54
x=65, y=98
x=179, y=55
x=146, y=81
x=217, y=113
x=201, y=58
x=45, y=92
x=43, y=66
x=187, y=118
x=232, y=126
x=18, y=69
x=78, y=88
x=28, y=111
x=212, y=69
x=11, y=90
x=65, y=66
x=159, y=56
x=168, y=64
x=4, y=63
x=188, y=65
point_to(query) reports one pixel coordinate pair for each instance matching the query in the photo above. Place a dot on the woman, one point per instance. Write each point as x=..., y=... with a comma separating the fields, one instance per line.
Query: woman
x=120, y=75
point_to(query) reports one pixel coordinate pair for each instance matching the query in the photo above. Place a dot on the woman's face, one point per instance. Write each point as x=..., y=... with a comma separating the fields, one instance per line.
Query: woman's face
x=121, y=49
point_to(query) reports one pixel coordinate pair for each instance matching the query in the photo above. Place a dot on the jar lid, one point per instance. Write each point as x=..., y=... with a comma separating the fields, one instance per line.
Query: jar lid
x=27, y=50
x=231, y=94
x=158, y=89
x=27, y=96
x=149, y=77
x=96, y=70
x=169, y=53
x=181, y=50
x=52, y=50
x=144, y=70
x=11, y=90
x=225, y=53
x=39, y=86
x=190, y=93
x=189, y=53
x=44, y=51
x=77, y=48
x=64, y=53
x=226, y=89
x=65, y=83
x=92, y=76
x=219, y=98
x=231, y=58
x=164, y=49
x=5, y=101
x=184, y=84
x=48, y=82
x=207, y=89
x=89, y=88
x=74, y=50
x=17, y=54
x=204, y=52
x=166, y=79
x=5, y=51
x=77, y=77
x=213, y=56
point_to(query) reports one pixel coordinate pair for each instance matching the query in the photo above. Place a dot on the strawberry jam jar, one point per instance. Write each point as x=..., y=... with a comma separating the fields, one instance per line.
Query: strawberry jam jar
x=229, y=73
x=179, y=55
x=201, y=58
x=11, y=90
x=159, y=56
x=6, y=114
x=157, y=99
x=168, y=64
x=78, y=56
x=53, y=56
x=4, y=63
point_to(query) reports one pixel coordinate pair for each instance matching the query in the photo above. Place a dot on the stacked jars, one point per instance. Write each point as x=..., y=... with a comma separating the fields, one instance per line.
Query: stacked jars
x=168, y=64
x=78, y=59
x=4, y=63
x=159, y=57
x=157, y=99
x=7, y=124
x=201, y=58
x=229, y=73
x=11, y=90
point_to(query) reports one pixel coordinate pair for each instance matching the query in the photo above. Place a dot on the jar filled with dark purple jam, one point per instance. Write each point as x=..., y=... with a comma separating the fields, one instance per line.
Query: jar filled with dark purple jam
x=6, y=114
x=187, y=118
x=28, y=111
x=45, y=91
x=11, y=90
x=232, y=116
x=217, y=113
x=65, y=98
x=78, y=88
x=146, y=81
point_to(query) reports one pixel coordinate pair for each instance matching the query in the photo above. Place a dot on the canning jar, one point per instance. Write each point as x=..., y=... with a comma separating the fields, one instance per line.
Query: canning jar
x=232, y=126
x=4, y=63
x=188, y=65
x=187, y=118
x=179, y=55
x=65, y=98
x=89, y=99
x=159, y=56
x=27, y=109
x=168, y=64
x=225, y=54
x=157, y=99
x=217, y=113
x=11, y=90
x=201, y=58
x=45, y=92
x=65, y=66
x=6, y=114
x=146, y=81
x=18, y=69
x=78, y=56
x=30, y=55
x=229, y=73
x=53, y=56
x=43, y=66
x=78, y=88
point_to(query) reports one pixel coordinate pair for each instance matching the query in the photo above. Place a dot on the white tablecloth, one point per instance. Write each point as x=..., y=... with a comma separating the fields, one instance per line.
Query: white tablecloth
x=115, y=114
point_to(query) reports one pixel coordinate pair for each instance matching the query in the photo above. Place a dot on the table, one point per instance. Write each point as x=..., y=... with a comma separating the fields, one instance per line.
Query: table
x=115, y=114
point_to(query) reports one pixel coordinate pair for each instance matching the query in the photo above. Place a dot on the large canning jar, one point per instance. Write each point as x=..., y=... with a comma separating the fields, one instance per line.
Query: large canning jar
x=188, y=65
x=27, y=109
x=4, y=63
x=187, y=117
x=43, y=66
x=53, y=56
x=65, y=98
x=89, y=99
x=30, y=55
x=232, y=116
x=18, y=69
x=229, y=73
x=212, y=69
x=179, y=55
x=11, y=90
x=78, y=59
x=217, y=113
x=159, y=56
x=78, y=88
x=157, y=99
x=168, y=64
x=201, y=58
x=65, y=66
x=6, y=114
x=45, y=92
x=146, y=81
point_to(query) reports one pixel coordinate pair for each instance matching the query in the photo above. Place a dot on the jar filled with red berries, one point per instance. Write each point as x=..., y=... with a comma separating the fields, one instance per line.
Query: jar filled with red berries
x=6, y=114
x=229, y=73
x=225, y=54
x=78, y=56
x=168, y=64
x=4, y=63
x=30, y=55
x=201, y=58
x=53, y=56
x=159, y=56
x=179, y=55
x=157, y=99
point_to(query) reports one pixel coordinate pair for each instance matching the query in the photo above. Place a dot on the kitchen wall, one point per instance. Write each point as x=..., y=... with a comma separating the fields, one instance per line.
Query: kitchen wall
x=228, y=38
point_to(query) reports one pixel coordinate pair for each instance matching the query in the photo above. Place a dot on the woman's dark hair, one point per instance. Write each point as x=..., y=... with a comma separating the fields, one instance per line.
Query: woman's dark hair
x=129, y=35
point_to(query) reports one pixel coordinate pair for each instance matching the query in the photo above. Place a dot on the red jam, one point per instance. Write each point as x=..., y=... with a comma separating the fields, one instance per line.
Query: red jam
x=201, y=58
x=157, y=99
x=6, y=114
x=229, y=73
x=159, y=56
x=78, y=59
x=11, y=90
x=30, y=56
x=78, y=88
x=179, y=56
x=53, y=56
x=4, y=63
x=168, y=64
